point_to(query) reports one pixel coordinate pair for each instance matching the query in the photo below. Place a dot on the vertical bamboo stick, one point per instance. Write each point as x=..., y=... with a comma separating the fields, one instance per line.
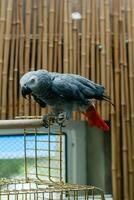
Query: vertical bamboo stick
x=79, y=65
x=60, y=64
x=74, y=66
x=131, y=84
x=45, y=41
x=33, y=53
x=45, y=37
x=2, y=28
x=21, y=56
x=56, y=36
x=39, y=52
x=40, y=30
x=124, y=139
x=123, y=113
x=75, y=48
x=79, y=49
x=65, y=38
x=117, y=89
x=70, y=30
x=11, y=72
x=6, y=58
x=128, y=115
x=27, y=48
x=128, y=125
x=88, y=33
x=98, y=71
x=83, y=39
x=51, y=35
x=114, y=142
x=127, y=111
x=93, y=16
x=34, y=28
x=102, y=55
x=16, y=61
x=132, y=26
x=108, y=53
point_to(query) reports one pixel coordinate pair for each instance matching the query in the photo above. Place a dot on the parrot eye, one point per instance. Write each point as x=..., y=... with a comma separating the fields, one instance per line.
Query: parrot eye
x=32, y=80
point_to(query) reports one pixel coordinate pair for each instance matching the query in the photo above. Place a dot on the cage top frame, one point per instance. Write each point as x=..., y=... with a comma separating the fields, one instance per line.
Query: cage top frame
x=20, y=186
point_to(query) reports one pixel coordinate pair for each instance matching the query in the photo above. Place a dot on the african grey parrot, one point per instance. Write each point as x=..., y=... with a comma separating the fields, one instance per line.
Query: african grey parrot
x=65, y=93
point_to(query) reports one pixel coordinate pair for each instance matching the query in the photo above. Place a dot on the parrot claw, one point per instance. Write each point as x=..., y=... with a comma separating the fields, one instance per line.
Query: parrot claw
x=61, y=118
x=50, y=119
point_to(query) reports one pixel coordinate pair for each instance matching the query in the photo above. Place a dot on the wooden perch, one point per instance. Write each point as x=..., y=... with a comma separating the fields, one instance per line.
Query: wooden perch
x=20, y=123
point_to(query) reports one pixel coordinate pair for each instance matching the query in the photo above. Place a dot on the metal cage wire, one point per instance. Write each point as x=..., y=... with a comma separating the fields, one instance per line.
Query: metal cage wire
x=45, y=169
x=47, y=148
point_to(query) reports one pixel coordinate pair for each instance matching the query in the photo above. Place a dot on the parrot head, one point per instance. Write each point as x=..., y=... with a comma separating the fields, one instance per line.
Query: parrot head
x=34, y=82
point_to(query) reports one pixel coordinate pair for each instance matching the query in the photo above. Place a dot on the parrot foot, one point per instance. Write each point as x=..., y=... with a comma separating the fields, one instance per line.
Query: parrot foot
x=50, y=119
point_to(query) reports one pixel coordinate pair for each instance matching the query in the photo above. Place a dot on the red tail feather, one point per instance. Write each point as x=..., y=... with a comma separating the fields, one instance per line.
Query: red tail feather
x=94, y=119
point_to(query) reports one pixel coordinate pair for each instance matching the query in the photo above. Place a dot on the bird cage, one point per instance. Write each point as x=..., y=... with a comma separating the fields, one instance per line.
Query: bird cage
x=44, y=166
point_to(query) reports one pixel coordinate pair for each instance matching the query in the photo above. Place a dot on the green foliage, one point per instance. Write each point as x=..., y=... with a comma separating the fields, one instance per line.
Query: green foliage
x=11, y=168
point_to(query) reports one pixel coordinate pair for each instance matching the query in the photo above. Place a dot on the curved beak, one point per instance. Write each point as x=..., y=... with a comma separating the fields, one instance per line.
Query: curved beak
x=25, y=91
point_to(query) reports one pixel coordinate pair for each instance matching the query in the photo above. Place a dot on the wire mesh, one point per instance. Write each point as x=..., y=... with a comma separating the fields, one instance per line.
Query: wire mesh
x=44, y=154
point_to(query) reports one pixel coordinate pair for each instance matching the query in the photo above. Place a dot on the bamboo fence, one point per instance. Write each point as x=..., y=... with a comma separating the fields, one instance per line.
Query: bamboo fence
x=43, y=34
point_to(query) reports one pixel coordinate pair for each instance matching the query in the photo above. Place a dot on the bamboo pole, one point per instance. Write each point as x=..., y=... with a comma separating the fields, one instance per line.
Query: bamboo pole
x=27, y=48
x=75, y=47
x=108, y=54
x=132, y=26
x=65, y=38
x=93, y=15
x=124, y=139
x=131, y=84
x=88, y=33
x=60, y=64
x=33, y=53
x=45, y=37
x=114, y=142
x=39, y=51
x=127, y=111
x=6, y=58
x=79, y=49
x=117, y=89
x=56, y=37
x=16, y=61
x=73, y=69
x=21, y=56
x=2, y=28
x=83, y=39
x=102, y=55
x=45, y=42
x=70, y=30
x=34, y=28
x=11, y=72
x=98, y=71
x=128, y=125
x=51, y=35
x=40, y=30
x=123, y=114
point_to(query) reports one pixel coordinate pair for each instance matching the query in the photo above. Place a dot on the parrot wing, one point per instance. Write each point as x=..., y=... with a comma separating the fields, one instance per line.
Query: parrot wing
x=69, y=87
x=92, y=89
